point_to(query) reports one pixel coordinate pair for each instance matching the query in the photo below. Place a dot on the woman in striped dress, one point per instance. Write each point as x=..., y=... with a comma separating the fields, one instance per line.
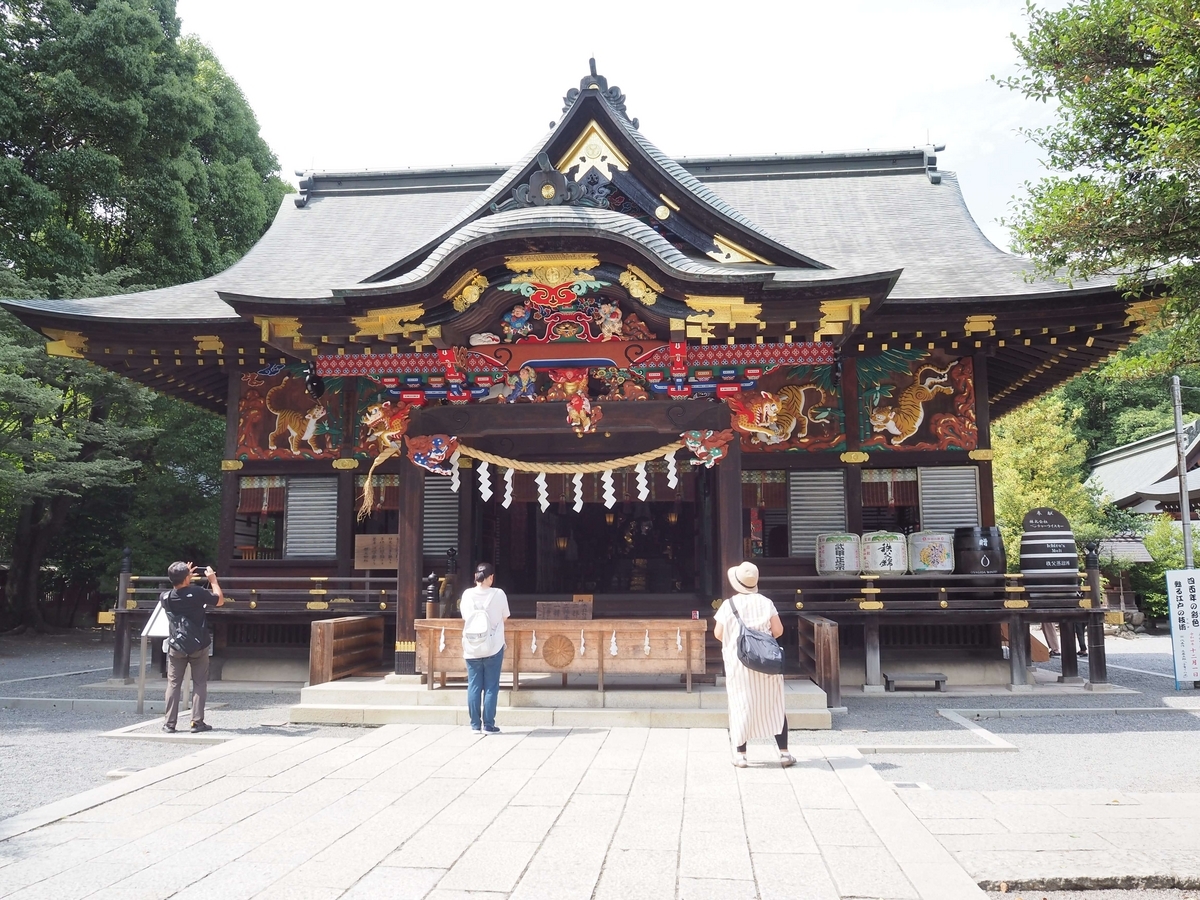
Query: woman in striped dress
x=755, y=699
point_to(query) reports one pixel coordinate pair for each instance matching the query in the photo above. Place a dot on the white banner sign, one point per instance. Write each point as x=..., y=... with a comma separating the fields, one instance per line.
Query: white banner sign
x=1183, y=599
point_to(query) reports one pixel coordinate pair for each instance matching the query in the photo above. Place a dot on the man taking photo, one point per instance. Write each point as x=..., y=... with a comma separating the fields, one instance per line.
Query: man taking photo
x=188, y=644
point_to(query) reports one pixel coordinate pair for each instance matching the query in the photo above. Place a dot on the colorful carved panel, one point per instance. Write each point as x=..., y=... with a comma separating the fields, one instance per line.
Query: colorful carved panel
x=381, y=418
x=277, y=419
x=913, y=400
x=797, y=408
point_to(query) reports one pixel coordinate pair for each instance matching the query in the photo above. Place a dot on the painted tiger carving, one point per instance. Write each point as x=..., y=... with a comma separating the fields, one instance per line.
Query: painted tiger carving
x=902, y=420
x=296, y=416
x=775, y=418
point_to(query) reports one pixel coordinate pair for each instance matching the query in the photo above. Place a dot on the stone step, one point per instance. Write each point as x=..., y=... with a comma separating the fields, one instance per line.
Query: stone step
x=345, y=714
x=798, y=695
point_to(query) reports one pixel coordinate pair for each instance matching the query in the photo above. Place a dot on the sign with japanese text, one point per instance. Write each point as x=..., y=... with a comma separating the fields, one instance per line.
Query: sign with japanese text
x=1183, y=599
x=376, y=551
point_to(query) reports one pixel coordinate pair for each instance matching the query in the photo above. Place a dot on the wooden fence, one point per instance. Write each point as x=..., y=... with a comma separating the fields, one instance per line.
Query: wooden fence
x=819, y=651
x=344, y=647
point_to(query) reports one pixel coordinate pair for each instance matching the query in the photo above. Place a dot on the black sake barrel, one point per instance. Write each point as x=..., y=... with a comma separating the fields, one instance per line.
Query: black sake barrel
x=1048, y=553
x=978, y=551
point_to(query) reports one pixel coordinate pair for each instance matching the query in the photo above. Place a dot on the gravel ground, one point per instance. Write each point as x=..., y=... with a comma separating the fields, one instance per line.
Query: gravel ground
x=51, y=754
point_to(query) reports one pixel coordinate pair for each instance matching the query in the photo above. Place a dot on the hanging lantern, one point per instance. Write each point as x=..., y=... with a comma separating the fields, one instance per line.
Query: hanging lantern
x=561, y=542
x=609, y=518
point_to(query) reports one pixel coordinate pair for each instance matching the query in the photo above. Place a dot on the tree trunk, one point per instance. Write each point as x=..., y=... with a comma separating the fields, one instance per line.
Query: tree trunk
x=38, y=522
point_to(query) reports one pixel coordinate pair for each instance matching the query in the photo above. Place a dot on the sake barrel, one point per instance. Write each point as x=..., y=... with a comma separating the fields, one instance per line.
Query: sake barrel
x=1048, y=552
x=885, y=553
x=978, y=551
x=930, y=551
x=838, y=554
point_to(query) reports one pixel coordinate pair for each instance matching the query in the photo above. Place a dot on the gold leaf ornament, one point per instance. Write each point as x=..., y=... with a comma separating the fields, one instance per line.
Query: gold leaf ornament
x=470, y=293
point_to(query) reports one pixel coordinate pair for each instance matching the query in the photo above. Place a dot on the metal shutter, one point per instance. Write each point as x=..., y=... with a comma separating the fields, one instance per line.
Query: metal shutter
x=816, y=504
x=310, y=519
x=949, y=497
x=440, y=515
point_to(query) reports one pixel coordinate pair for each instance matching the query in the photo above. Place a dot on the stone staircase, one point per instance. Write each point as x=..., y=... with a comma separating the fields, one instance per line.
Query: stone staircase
x=638, y=702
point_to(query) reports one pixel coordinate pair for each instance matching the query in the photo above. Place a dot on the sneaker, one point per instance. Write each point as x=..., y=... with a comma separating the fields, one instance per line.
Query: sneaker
x=200, y=726
x=490, y=729
x=739, y=760
x=169, y=729
x=1054, y=653
x=1083, y=653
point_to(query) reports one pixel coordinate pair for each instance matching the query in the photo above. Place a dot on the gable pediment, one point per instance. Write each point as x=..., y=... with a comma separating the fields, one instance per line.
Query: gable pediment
x=598, y=148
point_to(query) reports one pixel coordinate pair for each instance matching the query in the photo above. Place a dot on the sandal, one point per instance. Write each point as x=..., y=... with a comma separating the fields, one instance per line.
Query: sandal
x=739, y=760
x=786, y=759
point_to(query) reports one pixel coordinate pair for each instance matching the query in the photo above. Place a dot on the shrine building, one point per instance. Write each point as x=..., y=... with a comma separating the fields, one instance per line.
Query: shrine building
x=614, y=375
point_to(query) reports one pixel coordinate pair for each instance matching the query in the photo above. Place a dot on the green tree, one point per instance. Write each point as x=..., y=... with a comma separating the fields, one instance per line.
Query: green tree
x=124, y=147
x=1040, y=462
x=1164, y=542
x=128, y=159
x=1123, y=75
x=1110, y=407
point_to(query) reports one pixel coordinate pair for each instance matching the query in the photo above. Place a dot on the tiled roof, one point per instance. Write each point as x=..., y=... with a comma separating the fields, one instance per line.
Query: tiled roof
x=1126, y=473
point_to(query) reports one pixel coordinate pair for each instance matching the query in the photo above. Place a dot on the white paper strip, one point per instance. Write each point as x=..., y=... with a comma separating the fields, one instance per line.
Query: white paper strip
x=610, y=494
x=672, y=472
x=508, y=488
x=454, y=476
x=442, y=641
x=582, y=643
x=577, y=480
x=485, y=482
x=646, y=646
x=543, y=497
x=533, y=644
x=612, y=644
x=678, y=640
x=643, y=484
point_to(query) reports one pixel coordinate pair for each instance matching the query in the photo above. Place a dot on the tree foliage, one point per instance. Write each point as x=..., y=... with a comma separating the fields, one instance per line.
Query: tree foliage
x=1164, y=542
x=1109, y=407
x=125, y=148
x=1125, y=78
x=128, y=159
x=1039, y=462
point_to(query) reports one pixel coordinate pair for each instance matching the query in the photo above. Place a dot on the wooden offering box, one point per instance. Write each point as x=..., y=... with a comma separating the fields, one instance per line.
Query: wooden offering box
x=643, y=647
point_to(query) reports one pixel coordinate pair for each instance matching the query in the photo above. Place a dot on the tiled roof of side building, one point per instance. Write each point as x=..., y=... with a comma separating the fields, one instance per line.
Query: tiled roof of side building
x=1123, y=472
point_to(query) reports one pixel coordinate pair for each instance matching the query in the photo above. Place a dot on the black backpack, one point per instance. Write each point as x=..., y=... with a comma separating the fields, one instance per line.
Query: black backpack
x=186, y=636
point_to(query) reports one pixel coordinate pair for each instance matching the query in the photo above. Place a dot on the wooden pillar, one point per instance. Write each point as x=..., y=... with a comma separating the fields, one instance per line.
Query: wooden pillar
x=853, y=442
x=1018, y=628
x=346, y=495
x=466, y=521
x=408, y=566
x=230, y=468
x=871, y=656
x=1097, y=656
x=729, y=514
x=983, y=422
x=1070, y=653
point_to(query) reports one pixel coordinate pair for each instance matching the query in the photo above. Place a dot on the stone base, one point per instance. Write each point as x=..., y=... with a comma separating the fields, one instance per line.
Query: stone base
x=1098, y=688
x=393, y=678
x=1020, y=688
x=244, y=669
x=872, y=688
x=1076, y=680
x=961, y=670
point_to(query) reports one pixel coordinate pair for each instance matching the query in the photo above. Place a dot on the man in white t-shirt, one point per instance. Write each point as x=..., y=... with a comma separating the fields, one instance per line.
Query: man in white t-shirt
x=484, y=609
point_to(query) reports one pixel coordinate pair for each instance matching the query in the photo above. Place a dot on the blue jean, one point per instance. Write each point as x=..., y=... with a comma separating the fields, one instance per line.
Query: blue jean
x=483, y=682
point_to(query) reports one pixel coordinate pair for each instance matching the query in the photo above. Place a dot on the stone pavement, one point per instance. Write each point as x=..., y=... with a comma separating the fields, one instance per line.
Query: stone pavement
x=435, y=812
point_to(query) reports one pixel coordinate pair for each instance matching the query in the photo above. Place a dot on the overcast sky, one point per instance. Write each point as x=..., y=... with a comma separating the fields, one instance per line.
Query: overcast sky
x=368, y=84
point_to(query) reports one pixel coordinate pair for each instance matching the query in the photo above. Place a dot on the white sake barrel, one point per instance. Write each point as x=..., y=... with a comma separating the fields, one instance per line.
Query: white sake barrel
x=931, y=551
x=884, y=553
x=838, y=554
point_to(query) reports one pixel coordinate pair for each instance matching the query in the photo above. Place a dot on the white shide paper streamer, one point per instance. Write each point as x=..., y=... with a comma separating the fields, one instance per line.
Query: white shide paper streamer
x=508, y=488
x=454, y=476
x=672, y=472
x=577, y=480
x=485, y=482
x=610, y=494
x=643, y=484
x=543, y=496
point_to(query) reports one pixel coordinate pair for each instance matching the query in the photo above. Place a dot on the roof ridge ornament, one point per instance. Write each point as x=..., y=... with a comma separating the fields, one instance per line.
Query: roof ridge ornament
x=548, y=187
x=596, y=82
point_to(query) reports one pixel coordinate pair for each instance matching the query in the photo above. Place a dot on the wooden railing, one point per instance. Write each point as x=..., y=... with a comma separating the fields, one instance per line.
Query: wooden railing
x=343, y=647
x=276, y=593
x=911, y=593
x=820, y=652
